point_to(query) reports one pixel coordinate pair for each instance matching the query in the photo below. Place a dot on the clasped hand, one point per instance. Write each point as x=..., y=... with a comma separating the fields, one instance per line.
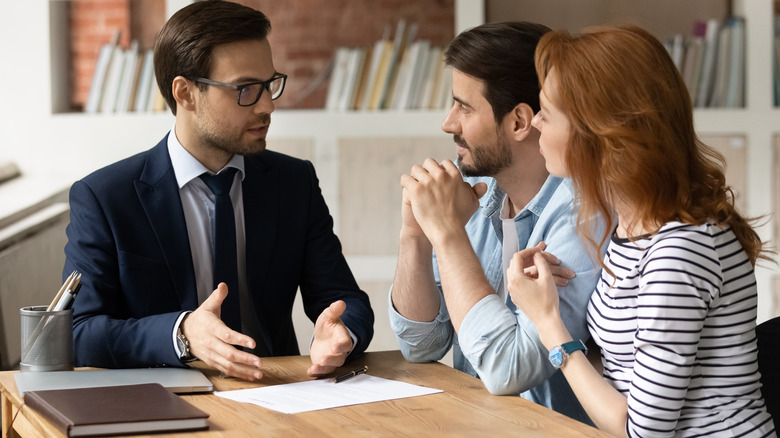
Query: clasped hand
x=215, y=343
x=436, y=200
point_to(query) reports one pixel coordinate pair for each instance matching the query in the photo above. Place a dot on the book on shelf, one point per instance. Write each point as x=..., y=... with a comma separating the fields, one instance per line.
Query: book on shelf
x=707, y=77
x=776, y=55
x=128, y=79
x=113, y=79
x=421, y=73
x=721, y=69
x=380, y=79
x=104, y=59
x=777, y=70
x=135, y=83
x=337, y=77
x=124, y=80
x=346, y=77
x=712, y=62
x=355, y=65
x=403, y=77
x=676, y=47
x=362, y=79
x=145, y=82
x=377, y=53
x=694, y=54
x=399, y=74
x=735, y=91
x=436, y=77
x=116, y=410
x=402, y=39
x=410, y=75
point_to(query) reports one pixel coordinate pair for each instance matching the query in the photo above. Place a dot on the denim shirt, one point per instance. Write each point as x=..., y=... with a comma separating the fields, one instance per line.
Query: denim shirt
x=497, y=342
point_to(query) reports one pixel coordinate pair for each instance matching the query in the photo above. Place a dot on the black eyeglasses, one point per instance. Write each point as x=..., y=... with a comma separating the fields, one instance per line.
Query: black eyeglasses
x=249, y=94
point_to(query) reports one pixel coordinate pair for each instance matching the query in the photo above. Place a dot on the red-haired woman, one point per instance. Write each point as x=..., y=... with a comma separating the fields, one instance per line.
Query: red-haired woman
x=674, y=312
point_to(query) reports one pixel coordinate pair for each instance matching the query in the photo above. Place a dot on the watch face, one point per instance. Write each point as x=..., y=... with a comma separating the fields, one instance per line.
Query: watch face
x=556, y=357
x=184, y=346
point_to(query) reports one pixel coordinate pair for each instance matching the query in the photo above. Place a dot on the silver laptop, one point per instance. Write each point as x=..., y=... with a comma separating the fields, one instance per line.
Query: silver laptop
x=178, y=380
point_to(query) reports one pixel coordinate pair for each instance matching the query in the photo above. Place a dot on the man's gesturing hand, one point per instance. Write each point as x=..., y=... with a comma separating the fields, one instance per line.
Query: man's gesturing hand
x=332, y=342
x=213, y=342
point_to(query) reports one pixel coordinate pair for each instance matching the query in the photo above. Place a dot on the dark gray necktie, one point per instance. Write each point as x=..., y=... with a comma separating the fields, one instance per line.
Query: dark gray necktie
x=225, y=263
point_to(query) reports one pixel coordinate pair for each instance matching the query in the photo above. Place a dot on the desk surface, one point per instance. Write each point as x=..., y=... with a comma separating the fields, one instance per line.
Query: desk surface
x=464, y=409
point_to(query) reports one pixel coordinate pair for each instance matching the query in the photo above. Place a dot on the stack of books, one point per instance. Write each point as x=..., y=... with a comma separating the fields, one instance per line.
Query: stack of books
x=712, y=62
x=398, y=73
x=124, y=81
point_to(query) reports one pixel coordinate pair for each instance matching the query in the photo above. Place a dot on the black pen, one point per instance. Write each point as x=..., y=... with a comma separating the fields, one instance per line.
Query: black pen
x=350, y=374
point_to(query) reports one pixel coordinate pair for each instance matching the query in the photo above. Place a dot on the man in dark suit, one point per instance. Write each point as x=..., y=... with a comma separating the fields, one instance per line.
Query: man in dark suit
x=150, y=235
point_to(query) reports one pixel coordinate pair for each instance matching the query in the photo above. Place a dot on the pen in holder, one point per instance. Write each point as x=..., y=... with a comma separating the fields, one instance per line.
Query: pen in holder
x=47, y=331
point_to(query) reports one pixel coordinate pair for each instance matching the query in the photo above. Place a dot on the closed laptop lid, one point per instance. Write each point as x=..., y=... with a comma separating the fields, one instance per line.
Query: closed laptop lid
x=178, y=380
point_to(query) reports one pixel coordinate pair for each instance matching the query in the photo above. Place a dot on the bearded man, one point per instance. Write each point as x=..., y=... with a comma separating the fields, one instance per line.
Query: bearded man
x=457, y=299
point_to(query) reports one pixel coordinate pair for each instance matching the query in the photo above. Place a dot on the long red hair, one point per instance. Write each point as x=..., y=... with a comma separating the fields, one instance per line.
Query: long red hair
x=632, y=136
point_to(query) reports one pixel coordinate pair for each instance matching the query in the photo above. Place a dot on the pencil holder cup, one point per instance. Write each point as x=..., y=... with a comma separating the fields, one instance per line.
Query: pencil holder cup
x=47, y=339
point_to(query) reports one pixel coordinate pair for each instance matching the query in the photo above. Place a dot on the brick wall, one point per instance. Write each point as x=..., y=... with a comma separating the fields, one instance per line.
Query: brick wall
x=305, y=34
x=92, y=24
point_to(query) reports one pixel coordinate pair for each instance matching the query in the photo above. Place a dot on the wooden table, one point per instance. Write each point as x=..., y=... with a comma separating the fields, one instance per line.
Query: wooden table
x=464, y=409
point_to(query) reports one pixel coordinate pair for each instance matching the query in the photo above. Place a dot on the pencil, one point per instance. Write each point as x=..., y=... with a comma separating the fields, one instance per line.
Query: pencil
x=62, y=290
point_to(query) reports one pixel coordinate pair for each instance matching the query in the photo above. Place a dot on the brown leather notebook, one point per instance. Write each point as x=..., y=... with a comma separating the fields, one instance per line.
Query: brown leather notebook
x=113, y=410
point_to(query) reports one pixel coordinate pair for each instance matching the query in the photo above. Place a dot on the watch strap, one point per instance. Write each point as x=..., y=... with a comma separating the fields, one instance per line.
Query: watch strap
x=571, y=347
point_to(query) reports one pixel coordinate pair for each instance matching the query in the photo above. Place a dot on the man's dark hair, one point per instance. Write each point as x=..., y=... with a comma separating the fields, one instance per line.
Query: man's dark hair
x=501, y=55
x=185, y=43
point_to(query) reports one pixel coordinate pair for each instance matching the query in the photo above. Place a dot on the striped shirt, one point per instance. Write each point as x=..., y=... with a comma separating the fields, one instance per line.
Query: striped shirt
x=676, y=327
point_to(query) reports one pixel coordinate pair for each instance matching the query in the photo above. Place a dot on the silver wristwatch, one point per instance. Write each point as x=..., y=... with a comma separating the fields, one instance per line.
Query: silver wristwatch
x=184, y=346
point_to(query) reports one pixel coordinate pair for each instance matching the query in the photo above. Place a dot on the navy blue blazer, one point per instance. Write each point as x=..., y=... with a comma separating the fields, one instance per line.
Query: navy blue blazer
x=128, y=237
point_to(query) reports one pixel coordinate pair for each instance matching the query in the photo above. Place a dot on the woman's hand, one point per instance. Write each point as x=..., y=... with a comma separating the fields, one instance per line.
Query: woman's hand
x=532, y=285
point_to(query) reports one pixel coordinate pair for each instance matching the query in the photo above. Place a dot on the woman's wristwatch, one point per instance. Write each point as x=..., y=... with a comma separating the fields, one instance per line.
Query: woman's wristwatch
x=558, y=355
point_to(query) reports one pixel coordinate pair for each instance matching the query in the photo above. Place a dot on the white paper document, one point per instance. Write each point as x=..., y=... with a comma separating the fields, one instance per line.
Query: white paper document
x=313, y=395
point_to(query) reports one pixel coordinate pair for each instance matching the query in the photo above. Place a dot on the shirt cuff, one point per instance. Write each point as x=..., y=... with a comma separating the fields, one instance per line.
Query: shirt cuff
x=416, y=332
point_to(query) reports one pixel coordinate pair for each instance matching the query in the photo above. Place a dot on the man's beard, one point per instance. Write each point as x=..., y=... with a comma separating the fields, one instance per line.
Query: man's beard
x=233, y=146
x=232, y=143
x=487, y=161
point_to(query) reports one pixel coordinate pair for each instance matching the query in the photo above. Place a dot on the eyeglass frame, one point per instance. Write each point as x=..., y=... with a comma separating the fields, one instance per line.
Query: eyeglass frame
x=265, y=85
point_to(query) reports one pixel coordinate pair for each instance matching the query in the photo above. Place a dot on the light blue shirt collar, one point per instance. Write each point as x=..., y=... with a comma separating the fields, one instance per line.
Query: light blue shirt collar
x=495, y=196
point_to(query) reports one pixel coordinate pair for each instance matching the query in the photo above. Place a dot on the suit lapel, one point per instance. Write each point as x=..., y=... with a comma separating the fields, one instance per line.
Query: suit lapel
x=158, y=193
x=261, y=218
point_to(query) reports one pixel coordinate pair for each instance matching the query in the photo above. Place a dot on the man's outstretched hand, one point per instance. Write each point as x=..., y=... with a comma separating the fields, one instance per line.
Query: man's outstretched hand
x=213, y=342
x=332, y=342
